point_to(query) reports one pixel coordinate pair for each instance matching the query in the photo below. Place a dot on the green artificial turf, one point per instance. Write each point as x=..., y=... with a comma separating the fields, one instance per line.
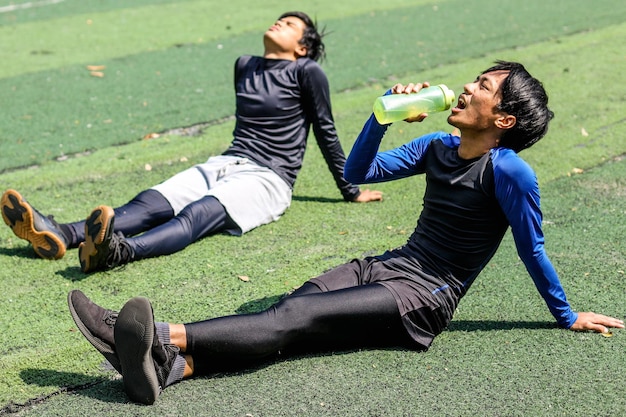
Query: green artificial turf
x=181, y=79
x=501, y=356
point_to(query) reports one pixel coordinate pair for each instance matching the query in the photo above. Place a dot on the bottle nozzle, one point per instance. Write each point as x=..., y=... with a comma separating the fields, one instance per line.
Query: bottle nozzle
x=448, y=95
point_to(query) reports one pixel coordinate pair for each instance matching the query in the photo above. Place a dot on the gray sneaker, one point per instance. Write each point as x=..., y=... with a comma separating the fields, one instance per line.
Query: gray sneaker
x=96, y=324
x=43, y=233
x=146, y=362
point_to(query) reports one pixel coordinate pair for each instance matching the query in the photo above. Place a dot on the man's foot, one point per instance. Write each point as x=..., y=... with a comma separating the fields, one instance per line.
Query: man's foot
x=103, y=249
x=42, y=232
x=146, y=362
x=96, y=324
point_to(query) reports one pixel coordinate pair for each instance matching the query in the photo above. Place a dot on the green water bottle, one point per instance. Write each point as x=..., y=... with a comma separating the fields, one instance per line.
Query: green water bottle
x=394, y=107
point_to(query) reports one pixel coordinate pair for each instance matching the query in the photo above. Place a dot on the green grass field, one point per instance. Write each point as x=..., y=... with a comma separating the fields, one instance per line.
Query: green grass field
x=71, y=141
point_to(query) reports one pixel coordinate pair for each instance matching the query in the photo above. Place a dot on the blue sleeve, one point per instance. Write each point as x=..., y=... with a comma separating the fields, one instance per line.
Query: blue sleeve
x=517, y=192
x=366, y=165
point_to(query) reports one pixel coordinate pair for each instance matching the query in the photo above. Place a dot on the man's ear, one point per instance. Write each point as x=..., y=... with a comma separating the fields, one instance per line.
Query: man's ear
x=300, y=51
x=506, y=122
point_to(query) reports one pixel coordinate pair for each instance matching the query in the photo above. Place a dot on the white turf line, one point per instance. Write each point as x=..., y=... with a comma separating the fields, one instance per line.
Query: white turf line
x=29, y=5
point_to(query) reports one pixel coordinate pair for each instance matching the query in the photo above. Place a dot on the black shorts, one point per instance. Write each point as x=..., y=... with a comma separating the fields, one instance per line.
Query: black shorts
x=422, y=313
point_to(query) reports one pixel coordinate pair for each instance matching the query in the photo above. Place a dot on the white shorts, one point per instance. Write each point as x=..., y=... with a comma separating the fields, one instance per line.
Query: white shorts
x=252, y=195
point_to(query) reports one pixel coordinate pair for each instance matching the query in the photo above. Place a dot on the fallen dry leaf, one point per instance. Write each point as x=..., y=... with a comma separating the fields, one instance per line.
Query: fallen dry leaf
x=244, y=278
x=583, y=132
x=577, y=171
x=98, y=74
x=152, y=136
x=95, y=67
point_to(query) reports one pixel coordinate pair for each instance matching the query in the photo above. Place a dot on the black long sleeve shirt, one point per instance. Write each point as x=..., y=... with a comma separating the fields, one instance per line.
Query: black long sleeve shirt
x=277, y=103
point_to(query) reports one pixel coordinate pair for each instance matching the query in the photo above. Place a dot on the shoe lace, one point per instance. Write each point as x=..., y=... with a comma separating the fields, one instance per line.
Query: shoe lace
x=51, y=218
x=48, y=223
x=120, y=251
x=163, y=357
x=110, y=317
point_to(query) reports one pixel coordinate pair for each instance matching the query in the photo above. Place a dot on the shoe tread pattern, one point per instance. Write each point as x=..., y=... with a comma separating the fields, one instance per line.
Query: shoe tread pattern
x=98, y=230
x=20, y=217
x=134, y=336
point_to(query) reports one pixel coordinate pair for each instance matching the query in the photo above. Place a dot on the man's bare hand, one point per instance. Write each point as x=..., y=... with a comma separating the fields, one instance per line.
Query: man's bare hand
x=596, y=322
x=368, y=195
x=408, y=89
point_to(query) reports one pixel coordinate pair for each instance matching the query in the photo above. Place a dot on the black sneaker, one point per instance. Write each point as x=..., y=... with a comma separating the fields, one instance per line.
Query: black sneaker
x=103, y=249
x=96, y=324
x=48, y=241
x=146, y=362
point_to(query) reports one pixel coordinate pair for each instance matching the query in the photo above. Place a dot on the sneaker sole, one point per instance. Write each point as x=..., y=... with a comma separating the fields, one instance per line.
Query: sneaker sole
x=102, y=347
x=134, y=334
x=98, y=228
x=18, y=215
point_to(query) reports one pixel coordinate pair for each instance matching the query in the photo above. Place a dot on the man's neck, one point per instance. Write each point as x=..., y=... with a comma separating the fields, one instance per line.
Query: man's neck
x=269, y=54
x=476, y=146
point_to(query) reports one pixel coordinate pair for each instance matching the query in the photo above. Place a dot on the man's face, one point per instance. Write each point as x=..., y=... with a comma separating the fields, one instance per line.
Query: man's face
x=476, y=109
x=285, y=35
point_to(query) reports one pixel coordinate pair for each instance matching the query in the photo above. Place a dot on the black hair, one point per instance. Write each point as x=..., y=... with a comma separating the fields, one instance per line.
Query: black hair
x=311, y=38
x=524, y=97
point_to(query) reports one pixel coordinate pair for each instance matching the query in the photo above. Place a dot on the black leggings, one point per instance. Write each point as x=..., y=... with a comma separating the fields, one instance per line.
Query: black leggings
x=308, y=320
x=163, y=233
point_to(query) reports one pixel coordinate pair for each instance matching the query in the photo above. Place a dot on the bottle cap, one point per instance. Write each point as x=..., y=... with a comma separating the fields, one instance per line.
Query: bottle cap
x=448, y=95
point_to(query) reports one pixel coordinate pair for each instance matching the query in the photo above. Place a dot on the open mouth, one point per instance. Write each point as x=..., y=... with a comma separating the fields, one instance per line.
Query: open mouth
x=461, y=103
